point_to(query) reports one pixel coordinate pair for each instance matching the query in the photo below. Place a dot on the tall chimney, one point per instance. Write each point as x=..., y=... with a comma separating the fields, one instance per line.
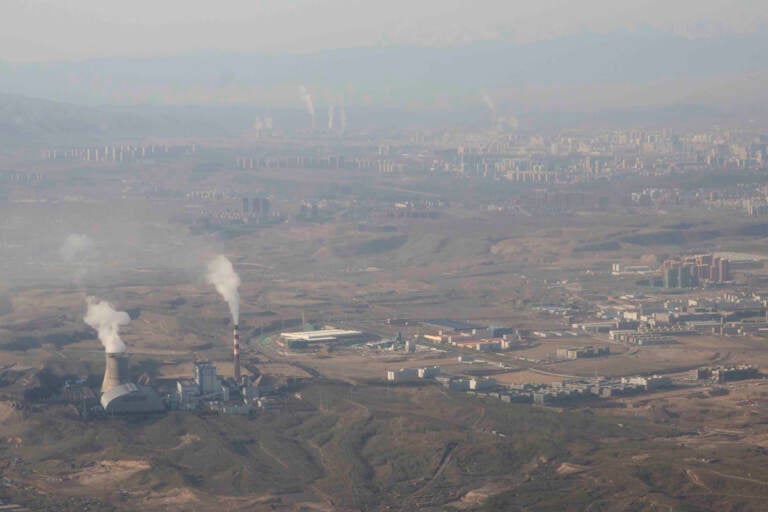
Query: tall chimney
x=115, y=371
x=236, y=353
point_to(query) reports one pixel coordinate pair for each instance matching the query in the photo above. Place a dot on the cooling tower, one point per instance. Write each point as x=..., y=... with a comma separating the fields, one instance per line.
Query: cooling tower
x=115, y=372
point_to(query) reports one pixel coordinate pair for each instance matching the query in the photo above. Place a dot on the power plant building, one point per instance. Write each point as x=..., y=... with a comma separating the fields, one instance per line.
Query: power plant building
x=206, y=386
x=131, y=398
x=118, y=396
x=205, y=377
x=115, y=371
x=321, y=336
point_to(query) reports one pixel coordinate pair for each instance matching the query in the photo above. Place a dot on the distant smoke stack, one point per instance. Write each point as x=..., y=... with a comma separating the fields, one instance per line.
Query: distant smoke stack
x=115, y=371
x=488, y=102
x=306, y=98
x=236, y=352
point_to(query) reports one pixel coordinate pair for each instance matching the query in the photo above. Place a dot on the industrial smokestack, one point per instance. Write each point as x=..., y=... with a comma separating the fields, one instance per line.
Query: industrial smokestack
x=222, y=275
x=115, y=372
x=236, y=352
x=310, y=106
x=488, y=101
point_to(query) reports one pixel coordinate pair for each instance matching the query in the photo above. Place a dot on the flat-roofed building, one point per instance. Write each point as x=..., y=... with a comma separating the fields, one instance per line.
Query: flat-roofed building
x=429, y=372
x=321, y=336
x=402, y=375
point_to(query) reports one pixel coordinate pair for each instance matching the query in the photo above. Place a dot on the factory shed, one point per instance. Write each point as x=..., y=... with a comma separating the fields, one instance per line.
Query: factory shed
x=131, y=399
x=322, y=336
x=449, y=325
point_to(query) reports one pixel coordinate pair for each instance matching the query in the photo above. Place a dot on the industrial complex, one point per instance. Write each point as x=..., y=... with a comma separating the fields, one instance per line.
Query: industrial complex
x=120, y=396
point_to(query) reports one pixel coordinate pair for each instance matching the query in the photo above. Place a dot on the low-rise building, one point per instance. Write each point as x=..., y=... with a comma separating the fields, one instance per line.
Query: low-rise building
x=429, y=372
x=321, y=336
x=402, y=375
x=648, y=383
x=453, y=383
x=187, y=391
x=702, y=373
x=480, y=384
x=731, y=373
x=488, y=346
x=582, y=352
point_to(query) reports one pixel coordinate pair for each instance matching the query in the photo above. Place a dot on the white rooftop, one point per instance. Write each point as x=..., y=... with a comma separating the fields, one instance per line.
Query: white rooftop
x=322, y=335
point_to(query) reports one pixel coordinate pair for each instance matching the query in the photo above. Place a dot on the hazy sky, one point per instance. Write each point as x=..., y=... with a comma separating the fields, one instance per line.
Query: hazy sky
x=44, y=30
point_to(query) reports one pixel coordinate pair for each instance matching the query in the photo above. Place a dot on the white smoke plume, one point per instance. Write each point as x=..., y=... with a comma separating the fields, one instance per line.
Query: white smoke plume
x=307, y=99
x=343, y=117
x=222, y=275
x=330, y=116
x=76, y=247
x=103, y=317
x=488, y=101
x=81, y=257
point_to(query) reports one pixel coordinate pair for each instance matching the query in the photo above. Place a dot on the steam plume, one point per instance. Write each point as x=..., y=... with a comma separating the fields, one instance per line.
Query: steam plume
x=222, y=275
x=80, y=254
x=103, y=317
x=330, y=117
x=76, y=246
x=307, y=99
x=488, y=101
x=343, y=117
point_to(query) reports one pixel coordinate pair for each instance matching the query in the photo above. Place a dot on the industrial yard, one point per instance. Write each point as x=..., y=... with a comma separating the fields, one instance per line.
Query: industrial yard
x=250, y=309
x=489, y=379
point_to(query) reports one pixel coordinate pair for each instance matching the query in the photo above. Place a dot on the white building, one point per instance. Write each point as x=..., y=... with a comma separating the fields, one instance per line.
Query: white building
x=476, y=384
x=321, y=336
x=402, y=375
x=429, y=372
x=187, y=391
x=648, y=383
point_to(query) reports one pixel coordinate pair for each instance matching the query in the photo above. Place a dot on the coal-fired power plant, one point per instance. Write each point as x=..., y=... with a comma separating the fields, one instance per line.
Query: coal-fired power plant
x=236, y=352
x=120, y=396
x=115, y=372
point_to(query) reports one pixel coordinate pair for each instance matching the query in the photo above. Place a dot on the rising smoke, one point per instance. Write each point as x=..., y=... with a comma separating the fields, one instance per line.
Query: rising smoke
x=103, y=317
x=307, y=99
x=488, y=101
x=76, y=247
x=79, y=253
x=222, y=275
x=500, y=121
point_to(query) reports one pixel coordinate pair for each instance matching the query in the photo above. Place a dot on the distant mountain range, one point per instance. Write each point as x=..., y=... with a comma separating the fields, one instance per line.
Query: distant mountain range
x=518, y=76
x=622, y=78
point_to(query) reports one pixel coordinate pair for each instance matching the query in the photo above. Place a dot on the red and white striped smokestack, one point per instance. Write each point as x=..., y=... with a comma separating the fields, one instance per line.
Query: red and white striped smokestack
x=236, y=353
